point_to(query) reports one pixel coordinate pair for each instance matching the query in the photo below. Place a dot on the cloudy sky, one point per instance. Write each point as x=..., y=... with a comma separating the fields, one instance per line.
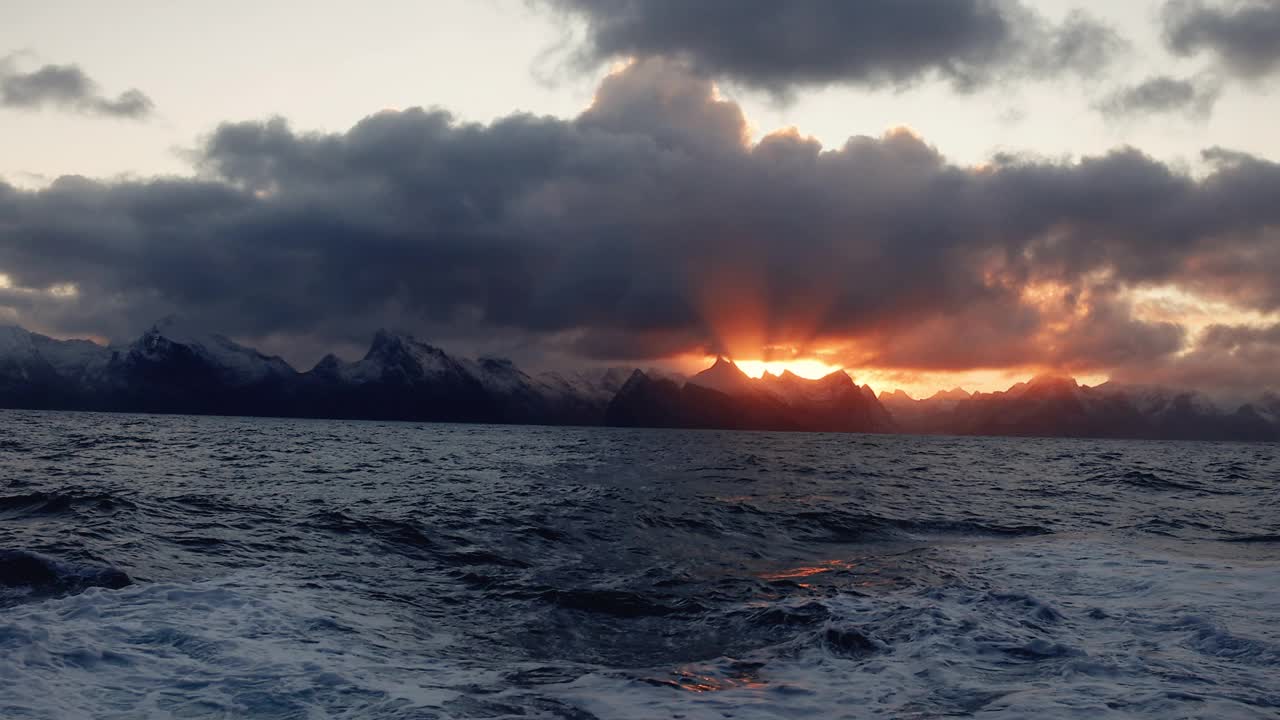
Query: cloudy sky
x=927, y=192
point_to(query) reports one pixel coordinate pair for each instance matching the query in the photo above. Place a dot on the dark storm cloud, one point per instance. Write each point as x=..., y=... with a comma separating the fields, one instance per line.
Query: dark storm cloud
x=1068, y=334
x=649, y=226
x=1240, y=337
x=1237, y=362
x=777, y=46
x=1244, y=35
x=1163, y=95
x=66, y=87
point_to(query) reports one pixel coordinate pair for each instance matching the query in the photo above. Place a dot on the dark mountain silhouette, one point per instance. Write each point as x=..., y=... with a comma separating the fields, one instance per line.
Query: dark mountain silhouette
x=921, y=415
x=399, y=378
x=660, y=402
x=1060, y=407
x=171, y=369
x=726, y=377
x=833, y=402
x=723, y=396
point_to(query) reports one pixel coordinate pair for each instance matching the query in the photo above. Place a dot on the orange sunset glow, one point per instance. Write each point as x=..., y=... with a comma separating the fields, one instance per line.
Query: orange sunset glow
x=916, y=383
x=805, y=367
x=640, y=358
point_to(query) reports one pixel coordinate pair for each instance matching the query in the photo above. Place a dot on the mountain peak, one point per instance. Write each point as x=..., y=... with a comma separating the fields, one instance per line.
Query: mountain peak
x=166, y=332
x=389, y=346
x=330, y=363
x=955, y=393
x=636, y=376
x=384, y=339
x=173, y=338
x=1052, y=379
x=13, y=337
x=725, y=376
x=403, y=357
x=837, y=378
x=179, y=329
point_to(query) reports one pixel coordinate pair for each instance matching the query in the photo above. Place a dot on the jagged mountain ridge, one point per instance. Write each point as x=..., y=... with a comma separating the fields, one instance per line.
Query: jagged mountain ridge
x=171, y=369
x=723, y=396
x=916, y=414
x=1056, y=406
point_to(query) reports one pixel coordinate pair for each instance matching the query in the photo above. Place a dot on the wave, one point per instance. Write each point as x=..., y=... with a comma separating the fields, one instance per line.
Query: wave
x=791, y=615
x=60, y=503
x=253, y=644
x=1252, y=539
x=1150, y=481
x=841, y=526
x=399, y=533
x=27, y=575
x=1212, y=639
x=618, y=603
x=409, y=538
x=850, y=642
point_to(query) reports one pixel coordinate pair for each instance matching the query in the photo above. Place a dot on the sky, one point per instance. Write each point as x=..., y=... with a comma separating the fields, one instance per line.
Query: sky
x=928, y=193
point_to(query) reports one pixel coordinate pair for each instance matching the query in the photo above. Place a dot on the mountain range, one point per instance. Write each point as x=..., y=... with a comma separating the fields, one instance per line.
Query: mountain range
x=723, y=396
x=1060, y=407
x=170, y=369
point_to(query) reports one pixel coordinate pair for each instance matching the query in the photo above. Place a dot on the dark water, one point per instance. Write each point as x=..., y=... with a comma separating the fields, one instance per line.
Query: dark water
x=209, y=567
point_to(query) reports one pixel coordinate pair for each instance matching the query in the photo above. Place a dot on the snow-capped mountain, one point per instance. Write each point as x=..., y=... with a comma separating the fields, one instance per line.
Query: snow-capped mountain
x=399, y=378
x=169, y=341
x=401, y=359
x=402, y=377
x=24, y=353
x=39, y=371
x=598, y=386
x=174, y=368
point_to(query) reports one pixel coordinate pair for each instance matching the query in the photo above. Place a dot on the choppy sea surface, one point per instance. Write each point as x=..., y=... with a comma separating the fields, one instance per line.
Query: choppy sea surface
x=191, y=567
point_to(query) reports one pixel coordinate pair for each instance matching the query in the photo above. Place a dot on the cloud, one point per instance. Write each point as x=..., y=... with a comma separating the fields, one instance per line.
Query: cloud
x=779, y=46
x=65, y=87
x=1162, y=94
x=1242, y=35
x=646, y=227
x=1236, y=362
x=1077, y=327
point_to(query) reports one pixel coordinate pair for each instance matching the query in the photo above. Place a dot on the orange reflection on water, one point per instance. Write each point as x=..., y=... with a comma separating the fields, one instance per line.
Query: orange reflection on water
x=810, y=570
x=690, y=681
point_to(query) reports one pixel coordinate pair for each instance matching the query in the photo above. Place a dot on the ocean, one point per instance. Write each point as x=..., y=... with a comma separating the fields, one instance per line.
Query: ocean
x=203, y=567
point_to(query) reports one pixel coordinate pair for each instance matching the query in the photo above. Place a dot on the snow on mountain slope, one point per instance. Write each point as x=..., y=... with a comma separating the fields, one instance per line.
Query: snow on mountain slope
x=239, y=364
x=174, y=368
x=401, y=357
x=501, y=377
x=68, y=358
x=596, y=386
